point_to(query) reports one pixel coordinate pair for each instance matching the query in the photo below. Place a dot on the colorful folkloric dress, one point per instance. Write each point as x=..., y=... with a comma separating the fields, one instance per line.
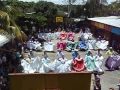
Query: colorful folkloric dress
x=70, y=45
x=113, y=62
x=63, y=35
x=45, y=65
x=90, y=63
x=78, y=64
x=61, y=68
x=27, y=68
x=49, y=46
x=71, y=36
x=83, y=45
x=74, y=54
x=61, y=45
x=99, y=62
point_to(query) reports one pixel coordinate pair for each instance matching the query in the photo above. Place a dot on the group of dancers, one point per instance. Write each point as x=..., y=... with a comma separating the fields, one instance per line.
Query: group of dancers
x=61, y=64
x=67, y=42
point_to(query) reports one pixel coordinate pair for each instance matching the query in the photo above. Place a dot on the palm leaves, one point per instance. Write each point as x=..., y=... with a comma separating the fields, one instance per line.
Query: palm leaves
x=7, y=18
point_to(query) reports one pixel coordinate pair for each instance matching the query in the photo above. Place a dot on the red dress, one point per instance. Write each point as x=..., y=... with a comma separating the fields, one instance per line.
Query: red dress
x=78, y=65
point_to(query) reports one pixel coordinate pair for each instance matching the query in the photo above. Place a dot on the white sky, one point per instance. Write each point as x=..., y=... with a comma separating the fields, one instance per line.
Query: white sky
x=59, y=1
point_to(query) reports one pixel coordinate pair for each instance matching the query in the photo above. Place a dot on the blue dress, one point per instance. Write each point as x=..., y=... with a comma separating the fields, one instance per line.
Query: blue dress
x=74, y=54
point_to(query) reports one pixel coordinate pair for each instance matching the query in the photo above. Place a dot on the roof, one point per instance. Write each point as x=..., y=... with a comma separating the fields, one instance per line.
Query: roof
x=111, y=20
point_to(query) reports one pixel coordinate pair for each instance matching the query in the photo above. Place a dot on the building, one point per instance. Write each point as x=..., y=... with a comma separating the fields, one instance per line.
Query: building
x=107, y=27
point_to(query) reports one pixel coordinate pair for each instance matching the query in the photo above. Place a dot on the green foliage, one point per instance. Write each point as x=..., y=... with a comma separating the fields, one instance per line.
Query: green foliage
x=48, y=9
x=40, y=19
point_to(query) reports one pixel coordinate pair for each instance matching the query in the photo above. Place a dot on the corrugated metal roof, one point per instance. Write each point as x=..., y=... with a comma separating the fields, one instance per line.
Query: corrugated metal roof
x=111, y=20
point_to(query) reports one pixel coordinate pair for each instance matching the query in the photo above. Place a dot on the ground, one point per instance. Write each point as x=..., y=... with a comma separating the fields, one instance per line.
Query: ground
x=109, y=79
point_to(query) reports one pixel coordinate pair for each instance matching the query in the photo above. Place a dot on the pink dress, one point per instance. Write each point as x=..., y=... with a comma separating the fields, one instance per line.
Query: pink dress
x=61, y=45
x=71, y=36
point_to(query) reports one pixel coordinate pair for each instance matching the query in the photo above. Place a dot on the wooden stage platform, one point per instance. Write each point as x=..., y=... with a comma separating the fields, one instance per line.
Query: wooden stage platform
x=50, y=81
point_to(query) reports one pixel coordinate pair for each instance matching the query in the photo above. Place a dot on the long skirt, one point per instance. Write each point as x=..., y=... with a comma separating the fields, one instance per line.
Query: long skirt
x=112, y=63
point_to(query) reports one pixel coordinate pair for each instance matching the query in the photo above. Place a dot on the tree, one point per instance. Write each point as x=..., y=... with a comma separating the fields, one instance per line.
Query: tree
x=44, y=11
x=70, y=2
x=7, y=14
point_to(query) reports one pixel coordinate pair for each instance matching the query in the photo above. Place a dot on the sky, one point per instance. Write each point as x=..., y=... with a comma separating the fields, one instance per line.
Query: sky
x=61, y=1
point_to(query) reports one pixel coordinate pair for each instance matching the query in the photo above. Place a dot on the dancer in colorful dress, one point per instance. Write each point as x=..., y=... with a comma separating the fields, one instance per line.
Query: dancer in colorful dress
x=61, y=45
x=98, y=62
x=78, y=64
x=71, y=36
x=63, y=35
x=74, y=53
x=59, y=54
x=45, y=63
x=90, y=61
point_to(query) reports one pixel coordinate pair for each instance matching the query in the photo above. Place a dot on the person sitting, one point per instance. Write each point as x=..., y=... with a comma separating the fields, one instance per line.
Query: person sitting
x=59, y=54
x=90, y=61
x=62, y=65
x=78, y=64
x=71, y=45
x=98, y=62
x=71, y=36
x=63, y=35
x=74, y=53
x=45, y=64
x=61, y=45
x=110, y=52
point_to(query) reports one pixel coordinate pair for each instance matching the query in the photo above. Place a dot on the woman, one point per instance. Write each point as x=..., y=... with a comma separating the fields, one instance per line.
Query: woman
x=26, y=64
x=113, y=62
x=74, y=53
x=49, y=46
x=61, y=45
x=78, y=64
x=45, y=64
x=90, y=61
x=98, y=62
x=62, y=65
